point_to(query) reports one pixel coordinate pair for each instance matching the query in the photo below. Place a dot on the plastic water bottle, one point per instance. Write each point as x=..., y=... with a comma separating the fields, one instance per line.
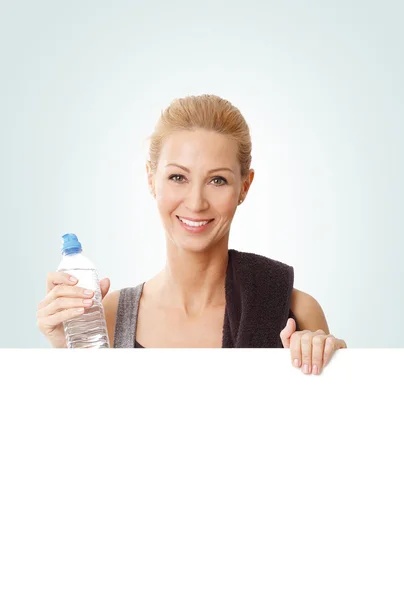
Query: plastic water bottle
x=88, y=330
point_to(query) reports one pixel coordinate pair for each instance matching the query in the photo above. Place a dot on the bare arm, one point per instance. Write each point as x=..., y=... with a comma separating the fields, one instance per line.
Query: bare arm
x=308, y=312
x=110, y=304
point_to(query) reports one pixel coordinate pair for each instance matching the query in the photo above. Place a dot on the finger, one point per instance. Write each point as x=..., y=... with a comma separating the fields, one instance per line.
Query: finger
x=287, y=332
x=66, y=291
x=63, y=303
x=55, y=278
x=329, y=349
x=104, y=286
x=306, y=349
x=53, y=321
x=318, y=342
x=295, y=349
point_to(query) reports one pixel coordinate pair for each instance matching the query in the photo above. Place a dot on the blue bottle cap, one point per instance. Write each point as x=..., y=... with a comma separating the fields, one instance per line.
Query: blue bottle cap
x=71, y=244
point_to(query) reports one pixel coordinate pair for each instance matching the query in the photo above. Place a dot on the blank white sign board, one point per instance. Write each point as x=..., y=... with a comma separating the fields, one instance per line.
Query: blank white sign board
x=201, y=474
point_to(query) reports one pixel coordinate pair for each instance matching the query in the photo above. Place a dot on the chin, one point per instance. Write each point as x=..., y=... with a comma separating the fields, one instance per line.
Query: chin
x=193, y=245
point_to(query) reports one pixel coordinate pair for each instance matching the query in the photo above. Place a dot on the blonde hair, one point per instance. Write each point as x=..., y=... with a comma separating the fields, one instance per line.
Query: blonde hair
x=208, y=112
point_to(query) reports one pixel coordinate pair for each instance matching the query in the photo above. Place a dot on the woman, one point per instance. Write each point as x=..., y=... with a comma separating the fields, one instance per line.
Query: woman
x=206, y=295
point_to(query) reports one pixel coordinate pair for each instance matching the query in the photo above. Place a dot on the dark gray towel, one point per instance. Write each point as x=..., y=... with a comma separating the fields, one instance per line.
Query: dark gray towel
x=258, y=292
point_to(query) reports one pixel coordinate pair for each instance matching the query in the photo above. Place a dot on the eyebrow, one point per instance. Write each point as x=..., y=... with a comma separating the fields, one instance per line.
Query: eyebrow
x=187, y=170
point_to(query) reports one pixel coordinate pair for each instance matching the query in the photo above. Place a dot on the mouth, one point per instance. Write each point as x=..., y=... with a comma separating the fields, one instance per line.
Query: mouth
x=193, y=225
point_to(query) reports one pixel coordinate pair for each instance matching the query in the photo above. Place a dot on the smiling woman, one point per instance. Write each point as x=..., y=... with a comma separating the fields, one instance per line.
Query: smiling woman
x=207, y=295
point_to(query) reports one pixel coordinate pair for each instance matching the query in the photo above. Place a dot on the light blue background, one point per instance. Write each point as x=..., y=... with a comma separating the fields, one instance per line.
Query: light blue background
x=321, y=86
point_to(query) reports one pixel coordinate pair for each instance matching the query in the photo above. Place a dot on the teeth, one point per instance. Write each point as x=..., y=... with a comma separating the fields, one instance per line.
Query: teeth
x=193, y=223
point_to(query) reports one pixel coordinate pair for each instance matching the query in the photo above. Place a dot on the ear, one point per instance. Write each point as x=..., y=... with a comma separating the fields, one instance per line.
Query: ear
x=246, y=184
x=248, y=181
x=150, y=177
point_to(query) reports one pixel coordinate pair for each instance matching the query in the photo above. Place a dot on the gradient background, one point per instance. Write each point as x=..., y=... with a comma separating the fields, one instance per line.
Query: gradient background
x=321, y=85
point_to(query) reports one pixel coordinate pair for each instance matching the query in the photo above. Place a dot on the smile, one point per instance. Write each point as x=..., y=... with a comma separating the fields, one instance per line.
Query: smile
x=194, y=226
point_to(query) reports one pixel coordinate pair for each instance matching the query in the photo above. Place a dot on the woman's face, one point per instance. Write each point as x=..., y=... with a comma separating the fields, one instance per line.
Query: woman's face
x=197, y=196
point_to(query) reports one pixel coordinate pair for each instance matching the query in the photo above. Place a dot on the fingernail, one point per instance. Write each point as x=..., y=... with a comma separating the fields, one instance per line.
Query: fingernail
x=315, y=370
x=73, y=279
x=296, y=362
x=80, y=310
x=88, y=292
x=87, y=302
x=305, y=369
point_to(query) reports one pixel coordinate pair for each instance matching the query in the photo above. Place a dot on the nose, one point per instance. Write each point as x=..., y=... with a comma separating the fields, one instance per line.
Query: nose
x=195, y=200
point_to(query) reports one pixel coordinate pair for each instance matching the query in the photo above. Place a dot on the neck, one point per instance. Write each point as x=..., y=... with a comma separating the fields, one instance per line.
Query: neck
x=194, y=281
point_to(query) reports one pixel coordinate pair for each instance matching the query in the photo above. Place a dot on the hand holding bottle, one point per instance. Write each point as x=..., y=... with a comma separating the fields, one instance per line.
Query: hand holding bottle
x=64, y=300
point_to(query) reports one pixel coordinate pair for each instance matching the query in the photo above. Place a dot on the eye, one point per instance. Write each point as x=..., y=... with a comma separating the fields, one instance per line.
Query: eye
x=175, y=176
x=218, y=177
x=222, y=178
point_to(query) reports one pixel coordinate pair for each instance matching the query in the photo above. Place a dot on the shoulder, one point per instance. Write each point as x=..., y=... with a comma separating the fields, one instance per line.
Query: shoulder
x=110, y=304
x=308, y=311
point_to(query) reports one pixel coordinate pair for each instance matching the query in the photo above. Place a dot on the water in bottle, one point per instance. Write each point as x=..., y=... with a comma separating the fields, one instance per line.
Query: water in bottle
x=88, y=330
